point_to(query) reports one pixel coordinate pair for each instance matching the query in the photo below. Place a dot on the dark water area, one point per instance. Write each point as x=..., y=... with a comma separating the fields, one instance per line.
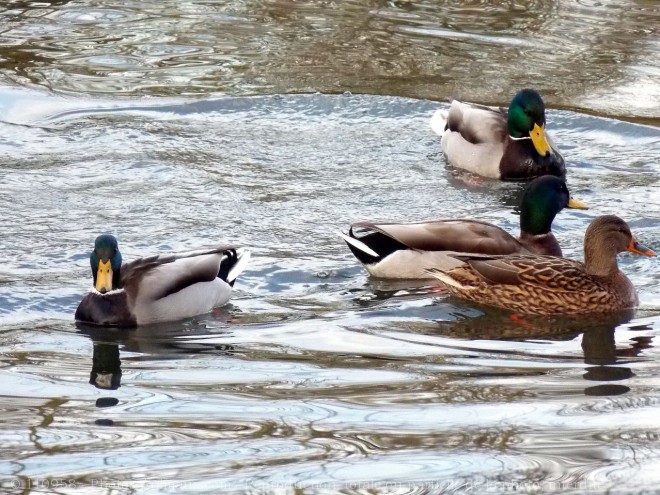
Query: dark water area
x=184, y=124
x=600, y=57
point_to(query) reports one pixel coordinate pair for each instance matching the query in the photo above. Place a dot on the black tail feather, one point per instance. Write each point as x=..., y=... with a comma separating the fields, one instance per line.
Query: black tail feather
x=227, y=264
x=382, y=244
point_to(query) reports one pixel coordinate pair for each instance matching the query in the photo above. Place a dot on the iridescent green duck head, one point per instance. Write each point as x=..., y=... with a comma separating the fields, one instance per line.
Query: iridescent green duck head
x=527, y=120
x=106, y=263
x=545, y=197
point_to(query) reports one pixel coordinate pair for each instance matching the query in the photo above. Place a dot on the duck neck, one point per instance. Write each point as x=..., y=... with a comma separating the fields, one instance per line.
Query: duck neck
x=537, y=212
x=600, y=259
x=545, y=244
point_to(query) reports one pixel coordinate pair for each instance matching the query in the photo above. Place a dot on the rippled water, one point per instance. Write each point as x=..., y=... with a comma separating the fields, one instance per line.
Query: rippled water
x=315, y=379
x=591, y=55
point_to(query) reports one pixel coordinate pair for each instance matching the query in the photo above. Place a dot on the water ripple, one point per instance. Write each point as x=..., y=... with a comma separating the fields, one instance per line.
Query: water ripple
x=587, y=56
x=315, y=375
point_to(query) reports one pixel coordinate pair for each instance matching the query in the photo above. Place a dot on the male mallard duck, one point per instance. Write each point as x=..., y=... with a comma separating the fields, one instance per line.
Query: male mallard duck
x=406, y=250
x=546, y=285
x=492, y=142
x=158, y=288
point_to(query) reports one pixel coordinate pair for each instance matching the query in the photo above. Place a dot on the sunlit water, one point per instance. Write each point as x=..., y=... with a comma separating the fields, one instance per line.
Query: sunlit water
x=315, y=379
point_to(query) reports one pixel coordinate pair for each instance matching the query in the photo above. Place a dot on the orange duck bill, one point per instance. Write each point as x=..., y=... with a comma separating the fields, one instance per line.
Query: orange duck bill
x=638, y=248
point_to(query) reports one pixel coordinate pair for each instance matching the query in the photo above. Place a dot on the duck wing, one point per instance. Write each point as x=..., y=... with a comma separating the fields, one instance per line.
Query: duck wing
x=156, y=277
x=547, y=272
x=478, y=124
x=455, y=235
x=475, y=138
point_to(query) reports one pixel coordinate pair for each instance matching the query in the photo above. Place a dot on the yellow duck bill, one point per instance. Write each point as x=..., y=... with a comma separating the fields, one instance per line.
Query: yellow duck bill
x=540, y=140
x=104, y=277
x=576, y=204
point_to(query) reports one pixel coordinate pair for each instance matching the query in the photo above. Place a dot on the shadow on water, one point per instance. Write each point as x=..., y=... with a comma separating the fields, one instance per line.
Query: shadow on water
x=597, y=340
x=154, y=343
x=159, y=342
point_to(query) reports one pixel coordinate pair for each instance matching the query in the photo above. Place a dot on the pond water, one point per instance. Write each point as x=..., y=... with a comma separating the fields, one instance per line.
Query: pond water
x=169, y=124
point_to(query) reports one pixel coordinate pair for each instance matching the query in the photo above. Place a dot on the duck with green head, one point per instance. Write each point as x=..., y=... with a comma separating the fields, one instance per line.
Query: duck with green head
x=396, y=250
x=105, y=261
x=157, y=288
x=497, y=143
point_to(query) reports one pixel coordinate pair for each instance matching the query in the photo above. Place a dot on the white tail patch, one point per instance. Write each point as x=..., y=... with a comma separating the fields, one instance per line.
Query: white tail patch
x=243, y=259
x=444, y=278
x=439, y=122
x=358, y=244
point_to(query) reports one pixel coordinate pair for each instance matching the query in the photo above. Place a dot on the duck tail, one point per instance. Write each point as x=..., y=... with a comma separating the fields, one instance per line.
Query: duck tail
x=439, y=122
x=445, y=278
x=357, y=244
x=233, y=263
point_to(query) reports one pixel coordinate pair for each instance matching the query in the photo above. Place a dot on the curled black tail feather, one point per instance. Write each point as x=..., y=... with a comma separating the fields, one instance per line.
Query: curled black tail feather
x=382, y=244
x=227, y=264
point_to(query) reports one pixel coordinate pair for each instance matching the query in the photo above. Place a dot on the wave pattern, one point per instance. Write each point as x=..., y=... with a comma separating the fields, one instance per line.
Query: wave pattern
x=579, y=54
x=314, y=376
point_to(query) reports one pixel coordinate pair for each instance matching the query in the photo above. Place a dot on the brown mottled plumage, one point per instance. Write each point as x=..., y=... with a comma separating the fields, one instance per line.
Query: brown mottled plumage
x=546, y=285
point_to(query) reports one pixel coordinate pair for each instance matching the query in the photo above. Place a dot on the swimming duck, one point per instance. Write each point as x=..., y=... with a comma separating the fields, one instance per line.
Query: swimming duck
x=497, y=143
x=158, y=288
x=545, y=285
x=390, y=250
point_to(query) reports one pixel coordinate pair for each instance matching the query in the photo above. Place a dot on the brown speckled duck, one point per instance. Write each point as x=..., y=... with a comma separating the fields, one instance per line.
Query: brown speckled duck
x=547, y=285
x=498, y=143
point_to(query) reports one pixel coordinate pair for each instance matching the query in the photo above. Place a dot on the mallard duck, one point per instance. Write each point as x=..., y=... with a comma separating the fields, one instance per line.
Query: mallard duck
x=546, y=285
x=389, y=250
x=497, y=143
x=158, y=288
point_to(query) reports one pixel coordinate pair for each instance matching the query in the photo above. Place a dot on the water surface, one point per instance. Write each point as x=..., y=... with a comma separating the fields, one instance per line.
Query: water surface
x=168, y=124
x=588, y=55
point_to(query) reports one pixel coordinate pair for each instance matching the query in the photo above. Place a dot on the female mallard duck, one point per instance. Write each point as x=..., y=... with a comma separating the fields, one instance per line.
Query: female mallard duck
x=158, y=288
x=498, y=144
x=406, y=250
x=546, y=285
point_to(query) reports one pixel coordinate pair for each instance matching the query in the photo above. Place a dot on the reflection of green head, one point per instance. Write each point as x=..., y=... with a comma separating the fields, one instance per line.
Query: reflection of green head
x=543, y=199
x=105, y=259
x=525, y=110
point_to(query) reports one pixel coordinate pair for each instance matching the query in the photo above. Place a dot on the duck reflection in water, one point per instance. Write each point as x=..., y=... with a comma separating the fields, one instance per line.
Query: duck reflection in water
x=106, y=366
x=598, y=340
x=156, y=341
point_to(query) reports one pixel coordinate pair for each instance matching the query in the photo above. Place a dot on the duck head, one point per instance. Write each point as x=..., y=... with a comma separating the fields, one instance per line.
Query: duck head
x=105, y=261
x=527, y=120
x=605, y=237
x=544, y=197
